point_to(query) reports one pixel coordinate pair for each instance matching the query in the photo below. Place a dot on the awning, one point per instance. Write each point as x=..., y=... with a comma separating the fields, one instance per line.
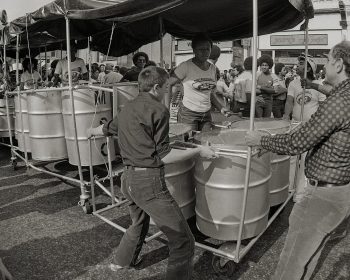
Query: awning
x=139, y=22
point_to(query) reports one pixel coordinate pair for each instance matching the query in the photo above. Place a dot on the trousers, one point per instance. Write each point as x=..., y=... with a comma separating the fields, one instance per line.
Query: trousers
x=149, y=196
x=311, y=223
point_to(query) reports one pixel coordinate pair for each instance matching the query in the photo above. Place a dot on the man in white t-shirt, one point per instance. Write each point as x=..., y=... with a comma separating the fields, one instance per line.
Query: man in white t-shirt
x=293, y=106
x=111, y=77
x=78, y=67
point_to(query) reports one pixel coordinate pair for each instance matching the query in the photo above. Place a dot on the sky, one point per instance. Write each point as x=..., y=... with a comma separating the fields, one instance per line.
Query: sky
x=18, y=8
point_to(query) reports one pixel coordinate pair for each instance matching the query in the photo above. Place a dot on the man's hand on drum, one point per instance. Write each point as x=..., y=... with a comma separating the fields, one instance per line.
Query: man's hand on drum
x=226, y=112
x=207, y=152
x=95, y=131
x=253, y=138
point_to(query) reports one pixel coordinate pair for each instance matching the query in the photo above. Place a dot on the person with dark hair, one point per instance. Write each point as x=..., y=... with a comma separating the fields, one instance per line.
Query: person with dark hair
x=140, y=59
x=198, y=77
x=242, y=89
x=102, y=73
x=30, y=77
x=293, y=106
x=142, y=127
x=279, y=85
x=52, y=69
x=78, y=68
x=264, y=88
x=326, y=138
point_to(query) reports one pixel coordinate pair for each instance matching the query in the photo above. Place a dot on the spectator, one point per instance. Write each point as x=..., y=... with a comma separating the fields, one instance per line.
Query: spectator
x=140, y=59
x=265, y=90
x=30, y=77
x=111, y=77
x=102, y=73
x=279, y=98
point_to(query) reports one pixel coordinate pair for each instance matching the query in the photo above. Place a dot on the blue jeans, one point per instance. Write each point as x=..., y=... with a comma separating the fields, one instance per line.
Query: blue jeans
x=311, y=222
x=199, y=121
x=149, y=196
x=264, y=109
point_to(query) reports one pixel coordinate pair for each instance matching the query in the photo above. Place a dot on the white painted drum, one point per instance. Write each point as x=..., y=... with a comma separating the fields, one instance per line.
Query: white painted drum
x=4, y=128
x=92, y=108
x=46, y=130
x=18, y=126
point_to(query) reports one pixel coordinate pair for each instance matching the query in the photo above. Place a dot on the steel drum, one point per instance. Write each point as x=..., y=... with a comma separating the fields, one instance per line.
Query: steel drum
x=46, y=130
x=18, y=126
x=4, y=128
x=280, y=164
x=92, y=108
x=220, y=188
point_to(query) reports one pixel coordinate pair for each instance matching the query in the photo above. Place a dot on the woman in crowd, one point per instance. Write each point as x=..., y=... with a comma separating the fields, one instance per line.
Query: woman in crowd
x=198, y=77
x=30, y=77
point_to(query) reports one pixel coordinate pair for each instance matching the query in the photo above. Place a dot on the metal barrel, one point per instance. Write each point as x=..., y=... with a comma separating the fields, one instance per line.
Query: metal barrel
x=4, y=130
x=220, y=188
x=92, y=108
x=18, y=125
x=280, y=164
x=46, y=130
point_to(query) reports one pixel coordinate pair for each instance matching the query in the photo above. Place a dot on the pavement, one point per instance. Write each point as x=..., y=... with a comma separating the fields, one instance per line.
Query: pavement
x=45, y=235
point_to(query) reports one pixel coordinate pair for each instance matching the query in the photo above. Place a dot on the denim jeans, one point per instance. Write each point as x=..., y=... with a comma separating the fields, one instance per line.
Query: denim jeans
x=278, y=108
x=264, y=109
x=199, y=121
x=311, y=222
x=149, y=197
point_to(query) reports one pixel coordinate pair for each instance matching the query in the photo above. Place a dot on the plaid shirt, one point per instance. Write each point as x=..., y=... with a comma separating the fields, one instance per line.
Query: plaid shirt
x=326, y=137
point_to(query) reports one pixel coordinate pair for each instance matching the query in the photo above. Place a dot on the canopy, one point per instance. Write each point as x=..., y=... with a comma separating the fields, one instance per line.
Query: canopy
x=139, y=22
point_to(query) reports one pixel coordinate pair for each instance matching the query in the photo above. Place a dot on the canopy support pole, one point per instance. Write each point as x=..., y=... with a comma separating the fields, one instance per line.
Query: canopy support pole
x=83, y=196
x=251, y=127
x=161, y=43
x=89, y=60
x=306, y=39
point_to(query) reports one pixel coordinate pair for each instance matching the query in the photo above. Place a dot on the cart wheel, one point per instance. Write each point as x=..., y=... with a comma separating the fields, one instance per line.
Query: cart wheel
x=87, y=208
x=227, y=269
x=14, y=165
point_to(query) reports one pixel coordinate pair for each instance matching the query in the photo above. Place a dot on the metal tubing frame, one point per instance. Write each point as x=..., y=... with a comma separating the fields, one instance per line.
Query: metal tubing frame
x=84, y=196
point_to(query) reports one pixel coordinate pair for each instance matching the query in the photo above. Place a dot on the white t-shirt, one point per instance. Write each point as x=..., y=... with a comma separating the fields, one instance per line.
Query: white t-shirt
x=312, y=99
x=221, y=86
x=198, y=85
x=78, y=67
x=29, y=79
x=241, y=85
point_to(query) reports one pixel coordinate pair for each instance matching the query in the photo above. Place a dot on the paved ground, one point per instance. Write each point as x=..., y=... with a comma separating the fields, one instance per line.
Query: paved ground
x=45, y=235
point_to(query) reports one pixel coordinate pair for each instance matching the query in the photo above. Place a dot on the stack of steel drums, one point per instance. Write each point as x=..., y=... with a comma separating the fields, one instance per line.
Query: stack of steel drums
x=46, y=131
x=21, y=123
x=220, y=188
x=92, y=108
x=280, y=164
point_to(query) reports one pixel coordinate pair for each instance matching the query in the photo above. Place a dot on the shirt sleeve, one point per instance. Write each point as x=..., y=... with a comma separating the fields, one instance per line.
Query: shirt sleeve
x=248, y=85
x=321, y=125
x=110, y=128
x=161, y=134
x=58, y=69
x=181, y=70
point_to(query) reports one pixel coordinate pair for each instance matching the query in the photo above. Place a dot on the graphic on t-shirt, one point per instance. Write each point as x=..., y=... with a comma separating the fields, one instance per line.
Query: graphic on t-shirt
x=204, y=84
x=307, y=97
x=75, y=74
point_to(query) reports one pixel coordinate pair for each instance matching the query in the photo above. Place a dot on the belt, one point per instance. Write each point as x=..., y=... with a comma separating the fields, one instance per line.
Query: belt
x=129, y=167
x=323, y=184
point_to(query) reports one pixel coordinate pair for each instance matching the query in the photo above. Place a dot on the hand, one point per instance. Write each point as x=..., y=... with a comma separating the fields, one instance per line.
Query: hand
x=207, y=152
x=226, y=112
x=305, y=83
x=94, y=131
x=253, y=138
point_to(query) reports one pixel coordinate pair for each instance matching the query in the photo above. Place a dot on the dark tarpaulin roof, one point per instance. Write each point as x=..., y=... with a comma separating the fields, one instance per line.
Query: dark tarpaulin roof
x=138, y=22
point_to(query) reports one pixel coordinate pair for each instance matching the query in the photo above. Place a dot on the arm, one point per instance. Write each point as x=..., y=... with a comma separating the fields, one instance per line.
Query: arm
x=288, y=107
x=309, y=135
x=180, y=155
x=173, y=80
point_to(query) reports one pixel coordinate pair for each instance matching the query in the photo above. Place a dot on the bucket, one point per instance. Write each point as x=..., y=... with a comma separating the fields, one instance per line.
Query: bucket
x=220, y=189
x=18, y=126
x=280, y=164
x=92, y=108
x=46, y=130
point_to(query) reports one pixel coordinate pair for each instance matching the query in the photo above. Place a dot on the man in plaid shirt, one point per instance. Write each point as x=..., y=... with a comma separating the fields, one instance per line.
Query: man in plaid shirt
x=326, y=137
